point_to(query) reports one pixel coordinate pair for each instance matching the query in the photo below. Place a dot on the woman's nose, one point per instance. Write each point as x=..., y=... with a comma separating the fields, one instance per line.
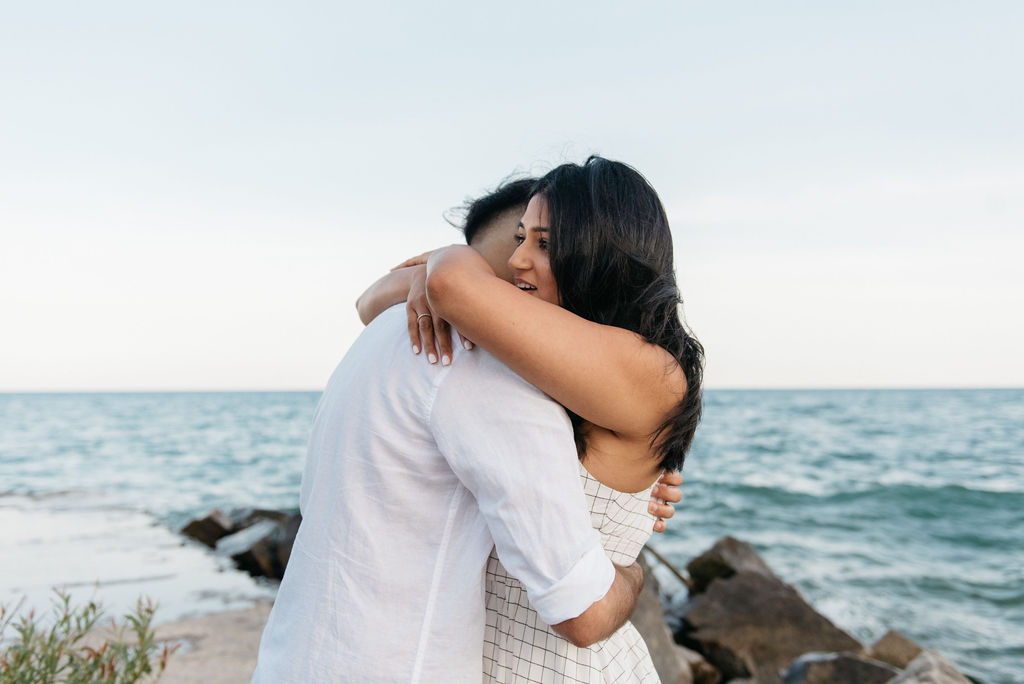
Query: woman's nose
x=519, y=261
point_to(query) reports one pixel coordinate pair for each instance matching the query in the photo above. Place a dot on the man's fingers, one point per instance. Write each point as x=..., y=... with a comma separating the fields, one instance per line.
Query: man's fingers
x=426, y=327
x=673, y=478
x=661, y=510
x=669, y=494
x=659, y=525
x=443, y=336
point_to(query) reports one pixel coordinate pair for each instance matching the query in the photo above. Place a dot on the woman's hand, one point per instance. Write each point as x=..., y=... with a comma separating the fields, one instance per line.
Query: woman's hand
x=665, y=493
x=420, y=260
x=428, y=331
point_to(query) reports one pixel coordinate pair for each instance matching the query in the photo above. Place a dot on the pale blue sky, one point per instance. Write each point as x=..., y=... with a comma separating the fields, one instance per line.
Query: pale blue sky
x=193, y=195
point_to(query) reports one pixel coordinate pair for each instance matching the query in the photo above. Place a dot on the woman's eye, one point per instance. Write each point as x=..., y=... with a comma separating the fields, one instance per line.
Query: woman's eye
x=519, y=239
x=544, y=244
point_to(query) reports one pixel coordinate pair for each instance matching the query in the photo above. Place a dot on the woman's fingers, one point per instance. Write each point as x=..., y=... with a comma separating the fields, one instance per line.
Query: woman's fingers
x=443, y=337
x=425, y=321
x=413, y=325
x=467, y=344
x=427, y=332
x=414, y=261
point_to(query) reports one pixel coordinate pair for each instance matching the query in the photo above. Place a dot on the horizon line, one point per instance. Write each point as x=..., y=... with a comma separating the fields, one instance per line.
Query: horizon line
x=781, y=388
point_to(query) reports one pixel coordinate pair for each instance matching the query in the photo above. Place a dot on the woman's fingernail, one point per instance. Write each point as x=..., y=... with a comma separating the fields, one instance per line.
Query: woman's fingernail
x=431, y=358
x=415, y=349
x=445, y=361
x=467, y=344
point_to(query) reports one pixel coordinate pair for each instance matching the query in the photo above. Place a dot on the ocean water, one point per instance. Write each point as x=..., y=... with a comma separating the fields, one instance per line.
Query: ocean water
x=886, y=509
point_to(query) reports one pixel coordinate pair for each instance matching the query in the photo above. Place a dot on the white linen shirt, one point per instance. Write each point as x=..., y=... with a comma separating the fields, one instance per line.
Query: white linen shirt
x=413, y=473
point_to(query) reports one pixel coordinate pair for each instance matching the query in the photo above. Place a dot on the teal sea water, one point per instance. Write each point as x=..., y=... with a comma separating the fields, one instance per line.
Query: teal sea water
x=887, y=509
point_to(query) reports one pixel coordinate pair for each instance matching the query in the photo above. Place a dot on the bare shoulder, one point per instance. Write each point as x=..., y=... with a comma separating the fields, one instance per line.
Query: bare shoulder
x=626, y=464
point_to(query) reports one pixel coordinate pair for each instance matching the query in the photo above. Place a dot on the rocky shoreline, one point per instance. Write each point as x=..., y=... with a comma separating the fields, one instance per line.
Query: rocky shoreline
x=736, y=623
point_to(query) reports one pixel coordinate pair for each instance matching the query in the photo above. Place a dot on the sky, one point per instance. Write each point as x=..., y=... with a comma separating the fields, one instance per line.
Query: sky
x=193, y=194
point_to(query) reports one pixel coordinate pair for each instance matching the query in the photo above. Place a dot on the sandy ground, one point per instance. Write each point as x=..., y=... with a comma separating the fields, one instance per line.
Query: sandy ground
x=219, y=648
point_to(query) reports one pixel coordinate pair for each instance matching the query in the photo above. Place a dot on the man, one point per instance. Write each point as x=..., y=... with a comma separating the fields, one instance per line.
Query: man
x=414, y=472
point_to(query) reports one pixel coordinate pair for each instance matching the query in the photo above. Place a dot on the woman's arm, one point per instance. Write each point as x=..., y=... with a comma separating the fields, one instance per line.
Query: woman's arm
x=389, y=290
x=609, y=376
x=406, y=283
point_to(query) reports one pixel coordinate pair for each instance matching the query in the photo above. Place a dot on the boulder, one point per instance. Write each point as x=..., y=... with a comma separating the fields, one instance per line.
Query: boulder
x=254, y=549
x=675, y=664
x=286, y=538
x=258, y=540
x=895, y=649
x=753, y=625
x=209, y=529
x=244, y=517
x=727, y=557
x=837, y=668
x=671, y=663
x=703, y=672
x=930, y=667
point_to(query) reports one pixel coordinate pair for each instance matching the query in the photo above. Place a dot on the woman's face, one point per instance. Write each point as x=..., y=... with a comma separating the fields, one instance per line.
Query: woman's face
x=531, y=266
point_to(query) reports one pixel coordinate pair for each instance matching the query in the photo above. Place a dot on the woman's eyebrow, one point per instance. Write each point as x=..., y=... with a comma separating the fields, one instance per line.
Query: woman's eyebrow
x=536, y=229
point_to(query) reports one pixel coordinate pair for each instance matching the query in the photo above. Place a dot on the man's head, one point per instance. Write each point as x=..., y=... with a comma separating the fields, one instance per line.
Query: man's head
x=491, y=222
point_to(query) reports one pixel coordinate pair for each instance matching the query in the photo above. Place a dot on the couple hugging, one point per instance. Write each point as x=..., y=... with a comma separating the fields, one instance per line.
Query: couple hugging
x=542, y=449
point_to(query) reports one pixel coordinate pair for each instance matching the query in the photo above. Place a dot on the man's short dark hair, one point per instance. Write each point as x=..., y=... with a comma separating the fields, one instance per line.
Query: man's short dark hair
x=508, y=195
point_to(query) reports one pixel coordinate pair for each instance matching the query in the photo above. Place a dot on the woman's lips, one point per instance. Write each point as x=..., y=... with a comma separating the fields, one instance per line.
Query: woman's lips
x=523, y=285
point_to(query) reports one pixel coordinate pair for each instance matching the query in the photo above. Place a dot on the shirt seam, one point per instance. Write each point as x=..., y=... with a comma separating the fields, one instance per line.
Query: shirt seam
x=435, y=584
x=435, y=387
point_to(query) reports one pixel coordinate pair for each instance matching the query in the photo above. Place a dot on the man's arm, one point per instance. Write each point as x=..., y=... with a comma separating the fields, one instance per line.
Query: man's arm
x=513, y=448
x=603, y=618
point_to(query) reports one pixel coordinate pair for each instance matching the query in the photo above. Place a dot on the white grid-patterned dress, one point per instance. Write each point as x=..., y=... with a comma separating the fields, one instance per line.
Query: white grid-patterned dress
x=519, y=647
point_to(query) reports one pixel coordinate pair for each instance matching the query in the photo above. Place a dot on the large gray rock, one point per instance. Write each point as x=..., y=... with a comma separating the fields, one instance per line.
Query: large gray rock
x=930, y=667
x=675, y=664
x=837, y=668
x=210, y=529
x=259, y=541
x=244, y=517
x=286, y=538
x=648, y=618
x=727, y=557
x=895, y=649
x=254, y=549
x=753, y=625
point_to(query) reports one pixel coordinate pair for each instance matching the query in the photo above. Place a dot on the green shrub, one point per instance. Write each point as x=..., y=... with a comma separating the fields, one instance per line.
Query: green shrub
x=61, y=652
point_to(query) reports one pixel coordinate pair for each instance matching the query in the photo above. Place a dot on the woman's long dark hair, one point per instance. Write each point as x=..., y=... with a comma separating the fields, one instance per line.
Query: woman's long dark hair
x=611, y=256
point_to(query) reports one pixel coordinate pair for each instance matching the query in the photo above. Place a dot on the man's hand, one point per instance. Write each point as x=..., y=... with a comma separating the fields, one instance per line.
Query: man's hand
x=602, y=619
x=665, y=493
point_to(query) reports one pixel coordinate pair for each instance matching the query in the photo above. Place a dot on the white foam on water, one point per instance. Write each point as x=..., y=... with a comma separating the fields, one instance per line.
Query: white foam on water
x=112, y=555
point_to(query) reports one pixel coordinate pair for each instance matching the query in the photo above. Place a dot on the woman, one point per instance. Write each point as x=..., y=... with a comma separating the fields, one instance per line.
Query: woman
x=591, y=318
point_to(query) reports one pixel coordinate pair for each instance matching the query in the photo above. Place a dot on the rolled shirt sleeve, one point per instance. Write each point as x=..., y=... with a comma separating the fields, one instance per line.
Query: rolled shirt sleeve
x=512, y=447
